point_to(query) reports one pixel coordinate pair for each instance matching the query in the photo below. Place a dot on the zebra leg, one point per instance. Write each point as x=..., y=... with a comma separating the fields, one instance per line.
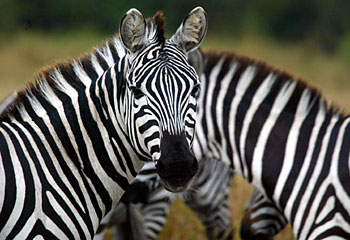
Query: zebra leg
x=125, y=218
x=262, y=219
x=209, y=200
x=143, y=209
x=116, y=220
x=217, y=221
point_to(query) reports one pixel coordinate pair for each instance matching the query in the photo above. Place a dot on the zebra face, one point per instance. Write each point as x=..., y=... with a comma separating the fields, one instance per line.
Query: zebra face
x=161, y=92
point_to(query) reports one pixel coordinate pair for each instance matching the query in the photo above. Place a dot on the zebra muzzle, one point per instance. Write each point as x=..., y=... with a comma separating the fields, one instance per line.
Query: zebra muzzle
x=177, y=165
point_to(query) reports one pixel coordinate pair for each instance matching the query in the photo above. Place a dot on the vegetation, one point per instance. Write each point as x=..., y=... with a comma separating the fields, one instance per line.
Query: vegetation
x=325, y=23
x=23, y=53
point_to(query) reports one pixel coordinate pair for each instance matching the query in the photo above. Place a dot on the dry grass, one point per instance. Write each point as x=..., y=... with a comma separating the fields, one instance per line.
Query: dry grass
x=21, y=56
x=183, y=224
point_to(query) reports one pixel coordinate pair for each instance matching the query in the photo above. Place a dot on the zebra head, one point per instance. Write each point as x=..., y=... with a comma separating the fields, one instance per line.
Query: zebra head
x=161, y=91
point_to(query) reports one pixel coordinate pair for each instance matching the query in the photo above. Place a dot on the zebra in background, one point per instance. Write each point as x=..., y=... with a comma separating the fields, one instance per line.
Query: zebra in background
x=72, y=142
x=281, y=136
x=262, y=220
x=143, y=212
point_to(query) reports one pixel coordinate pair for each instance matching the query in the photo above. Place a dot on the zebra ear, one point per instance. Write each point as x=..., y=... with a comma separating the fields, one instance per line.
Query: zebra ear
x=192, y=30
x=133, y=30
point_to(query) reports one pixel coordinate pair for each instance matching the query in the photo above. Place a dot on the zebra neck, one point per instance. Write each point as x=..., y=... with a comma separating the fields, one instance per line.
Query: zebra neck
x=73, y=108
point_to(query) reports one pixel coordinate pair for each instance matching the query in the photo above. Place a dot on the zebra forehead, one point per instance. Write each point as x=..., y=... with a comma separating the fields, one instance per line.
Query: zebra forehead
x=167, y=73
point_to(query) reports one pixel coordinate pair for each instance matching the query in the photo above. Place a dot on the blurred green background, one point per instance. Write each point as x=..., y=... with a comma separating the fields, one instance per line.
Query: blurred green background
x=309, y=39
x=326, y=23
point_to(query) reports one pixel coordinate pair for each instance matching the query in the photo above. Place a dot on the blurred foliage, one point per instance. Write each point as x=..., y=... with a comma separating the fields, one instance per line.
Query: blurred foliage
x=323, y=22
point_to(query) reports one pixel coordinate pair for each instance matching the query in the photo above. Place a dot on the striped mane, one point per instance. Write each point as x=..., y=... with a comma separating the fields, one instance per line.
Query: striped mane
x=262, y=71
x=77, y=73
x=157, y=22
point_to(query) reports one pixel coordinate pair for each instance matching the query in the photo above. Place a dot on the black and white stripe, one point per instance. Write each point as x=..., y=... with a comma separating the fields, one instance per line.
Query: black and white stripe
x=73, y=141
x=261, y=219
x=280, y=135
x=208, y=198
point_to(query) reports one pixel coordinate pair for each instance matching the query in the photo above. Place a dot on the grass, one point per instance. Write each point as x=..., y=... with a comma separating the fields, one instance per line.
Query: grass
x=22, y=55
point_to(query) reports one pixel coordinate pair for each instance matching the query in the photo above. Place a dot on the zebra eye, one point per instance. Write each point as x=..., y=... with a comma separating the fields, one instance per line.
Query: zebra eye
x=195, y=91
x=137, y=92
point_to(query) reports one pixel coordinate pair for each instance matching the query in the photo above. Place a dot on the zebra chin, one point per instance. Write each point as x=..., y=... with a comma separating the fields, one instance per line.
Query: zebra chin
x=178, y=186
x=177, y=164
x=178, y=180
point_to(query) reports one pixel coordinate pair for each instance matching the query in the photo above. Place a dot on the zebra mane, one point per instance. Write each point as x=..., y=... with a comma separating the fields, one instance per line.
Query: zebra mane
x=77, y=72
x=72, y=73
x=156, y=27
x=262, y=71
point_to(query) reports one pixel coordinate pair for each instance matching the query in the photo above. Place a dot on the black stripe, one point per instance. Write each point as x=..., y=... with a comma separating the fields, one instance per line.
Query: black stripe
x=10, y=182
x=323, y=174
x=338, y=208
x=88, y=68
x=343, y=168
x=314, y=158
x=60, y=130
x=101, y=61
x=254, y=131
x=63, y=164
x=29, y=200
x=325, y=167
x=300, y=153
x=334, y=231
x=40, y=230
x=109, y=85
x=112, y=129
x=96, y=137
x=222, y=73
x=71, y=77
x=54, y=215
x=276, y=145
x=114, y=52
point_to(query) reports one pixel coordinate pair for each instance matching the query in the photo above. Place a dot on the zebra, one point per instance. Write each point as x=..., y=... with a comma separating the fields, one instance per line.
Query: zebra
x=73, y=141
x=261, y=220
x=143, y=212
x=282, y=136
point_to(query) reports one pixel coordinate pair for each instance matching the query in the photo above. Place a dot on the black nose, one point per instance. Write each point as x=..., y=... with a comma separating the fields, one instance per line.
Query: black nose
x=177, y=164
x=176, y=176
x=177, y=172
